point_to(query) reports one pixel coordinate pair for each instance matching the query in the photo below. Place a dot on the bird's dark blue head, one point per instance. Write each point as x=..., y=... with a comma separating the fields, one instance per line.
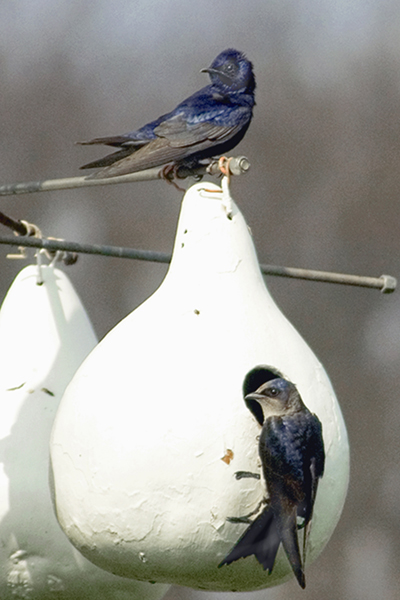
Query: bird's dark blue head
x=277, y=396
x=231, y=71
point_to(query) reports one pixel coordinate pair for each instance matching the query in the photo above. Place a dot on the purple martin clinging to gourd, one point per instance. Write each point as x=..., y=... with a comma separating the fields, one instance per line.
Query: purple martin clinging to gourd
x=292, y=454
x=207, y=124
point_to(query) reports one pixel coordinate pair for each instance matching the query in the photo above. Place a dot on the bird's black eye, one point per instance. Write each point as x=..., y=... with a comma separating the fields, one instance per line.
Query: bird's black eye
x=230, y=70
x=273, y=391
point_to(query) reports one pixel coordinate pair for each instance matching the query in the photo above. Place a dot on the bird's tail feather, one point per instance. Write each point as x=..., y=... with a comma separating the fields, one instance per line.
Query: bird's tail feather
x=261, y=539
x=290, y=542
x=108, y=160
x=115, y=140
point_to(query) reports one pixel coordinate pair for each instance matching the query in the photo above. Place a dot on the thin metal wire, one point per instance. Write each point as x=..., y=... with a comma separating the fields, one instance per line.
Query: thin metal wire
x=237, y=166
x=24, y=228
x=16, y=226
x=385, y=283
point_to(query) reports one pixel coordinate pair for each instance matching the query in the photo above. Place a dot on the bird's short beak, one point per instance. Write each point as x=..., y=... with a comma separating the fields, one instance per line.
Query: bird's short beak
x=256, y=397
x=209, y=70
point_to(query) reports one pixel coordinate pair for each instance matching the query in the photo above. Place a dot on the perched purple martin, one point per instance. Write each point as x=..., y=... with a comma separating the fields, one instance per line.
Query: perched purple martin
x=292, y=454
x=207, y=124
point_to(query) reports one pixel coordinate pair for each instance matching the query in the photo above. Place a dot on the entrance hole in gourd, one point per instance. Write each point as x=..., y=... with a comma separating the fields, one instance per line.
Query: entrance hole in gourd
x=253, y=380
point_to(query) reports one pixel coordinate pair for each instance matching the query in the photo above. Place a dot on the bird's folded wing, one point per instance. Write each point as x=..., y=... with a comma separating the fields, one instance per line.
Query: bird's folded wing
x=162, y=150
x=116, y=141
x=181, y=133
x=176, y=139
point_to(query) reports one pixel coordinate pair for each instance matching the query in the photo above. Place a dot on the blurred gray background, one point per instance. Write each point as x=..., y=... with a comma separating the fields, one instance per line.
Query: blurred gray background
x=322, y=193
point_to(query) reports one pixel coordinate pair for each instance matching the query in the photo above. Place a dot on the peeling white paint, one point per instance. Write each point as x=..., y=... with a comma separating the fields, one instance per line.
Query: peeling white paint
x=44, y=336
x=158, y=404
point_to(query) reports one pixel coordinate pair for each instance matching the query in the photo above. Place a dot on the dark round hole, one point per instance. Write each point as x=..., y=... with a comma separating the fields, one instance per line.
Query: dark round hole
x=253, y=380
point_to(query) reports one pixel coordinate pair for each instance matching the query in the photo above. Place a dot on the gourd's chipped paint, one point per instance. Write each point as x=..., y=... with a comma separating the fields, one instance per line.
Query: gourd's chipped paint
x=143, y=429
x=44, y=336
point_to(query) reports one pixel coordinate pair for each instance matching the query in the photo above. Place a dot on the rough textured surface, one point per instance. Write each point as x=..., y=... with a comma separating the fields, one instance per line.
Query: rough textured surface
x=44, y=336
x=139, y=441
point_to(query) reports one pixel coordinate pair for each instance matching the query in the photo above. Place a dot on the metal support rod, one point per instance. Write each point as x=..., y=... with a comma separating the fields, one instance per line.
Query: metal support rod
x=16, y=226
x=385, y=283
x=237, y=166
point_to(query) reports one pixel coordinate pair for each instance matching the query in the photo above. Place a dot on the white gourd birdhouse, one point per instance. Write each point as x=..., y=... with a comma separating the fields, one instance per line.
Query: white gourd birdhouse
x=153, y=427
x=44, y=336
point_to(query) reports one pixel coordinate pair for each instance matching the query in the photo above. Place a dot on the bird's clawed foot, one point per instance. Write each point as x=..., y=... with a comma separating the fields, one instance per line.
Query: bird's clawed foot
x=169, y=173
x=246, y=518
x=246, y=475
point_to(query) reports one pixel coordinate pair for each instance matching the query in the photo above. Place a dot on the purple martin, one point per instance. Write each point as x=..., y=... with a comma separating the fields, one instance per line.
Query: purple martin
x=292, y=454
x=207, y=124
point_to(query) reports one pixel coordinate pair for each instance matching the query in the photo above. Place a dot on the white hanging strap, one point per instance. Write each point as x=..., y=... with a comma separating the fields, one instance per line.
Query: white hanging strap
x=39, y=275
x=227, y=200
